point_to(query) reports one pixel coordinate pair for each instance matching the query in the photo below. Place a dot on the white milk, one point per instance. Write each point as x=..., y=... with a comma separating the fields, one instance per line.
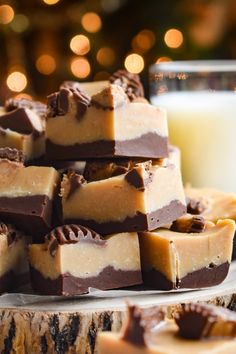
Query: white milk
x=203, y=126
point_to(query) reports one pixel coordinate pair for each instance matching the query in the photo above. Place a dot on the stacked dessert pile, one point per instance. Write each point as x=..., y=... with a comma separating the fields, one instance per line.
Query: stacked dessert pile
x=197, y=329
x=102, y=183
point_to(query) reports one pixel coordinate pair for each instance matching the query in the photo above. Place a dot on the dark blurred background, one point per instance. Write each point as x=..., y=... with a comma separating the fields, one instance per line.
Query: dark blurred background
x=43, y=42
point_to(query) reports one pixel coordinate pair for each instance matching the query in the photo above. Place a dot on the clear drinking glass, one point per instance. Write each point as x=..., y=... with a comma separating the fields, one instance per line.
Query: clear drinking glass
x=200, y=98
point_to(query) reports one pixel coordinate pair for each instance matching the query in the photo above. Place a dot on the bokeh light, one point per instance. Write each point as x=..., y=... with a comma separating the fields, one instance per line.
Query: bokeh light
x=46, y=64
x=6, y=14
x=51, y=2
x=163, y=59
x=91, y=22
x=80, y=67
x=173, y=38
x=20, y=23
x=134, y=63
x=105, y=56
x=143, y=41
x=16, y=81
x=80, y=44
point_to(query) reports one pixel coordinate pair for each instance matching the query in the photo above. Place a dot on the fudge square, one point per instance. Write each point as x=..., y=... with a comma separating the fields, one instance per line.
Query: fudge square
x=212, y=204
x=120, y=197
x=196, y=329
x=74, y=258
x=22, y=126
x=27, y=194
x=195, y=255
x=14, y=268
x=107, y=124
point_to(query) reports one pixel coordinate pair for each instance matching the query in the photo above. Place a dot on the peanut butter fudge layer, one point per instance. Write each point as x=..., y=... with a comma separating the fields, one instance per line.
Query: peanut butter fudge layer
x=193, y=258
x=26, y=193
x=212, y=204
x=14, y=270
x=74, y=258
x=22, y=126
x=107, y=124
x=147, y=332
x=131, y=197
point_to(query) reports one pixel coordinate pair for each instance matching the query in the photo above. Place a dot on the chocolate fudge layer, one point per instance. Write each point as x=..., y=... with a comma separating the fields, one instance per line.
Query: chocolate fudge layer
x=14, y=270
x=212, y=204
x=190, y=259
x=106, y=124
x=22, y=126
x=151, y=333
x=74, y=258
x=26, y=193
x=131, y=197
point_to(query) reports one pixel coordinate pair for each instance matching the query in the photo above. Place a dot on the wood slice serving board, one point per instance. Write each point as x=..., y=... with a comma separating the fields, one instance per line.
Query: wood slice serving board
x=48, y=324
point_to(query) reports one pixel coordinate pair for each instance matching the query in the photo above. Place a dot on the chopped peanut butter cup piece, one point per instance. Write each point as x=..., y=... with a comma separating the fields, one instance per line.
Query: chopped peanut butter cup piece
x=68, y=234
x=74, y=258
x=13, y=103
x=129, y=82
x=212, y=204
x=189, y=224
x=197, y=321
x=139, y=322
x=90, y=88
x=12, y=155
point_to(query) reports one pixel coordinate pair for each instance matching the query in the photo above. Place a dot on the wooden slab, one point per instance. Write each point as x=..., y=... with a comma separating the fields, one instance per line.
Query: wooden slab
x=49, y=324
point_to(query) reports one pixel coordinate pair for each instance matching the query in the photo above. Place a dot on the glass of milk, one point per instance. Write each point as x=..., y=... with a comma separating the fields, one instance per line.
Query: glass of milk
x=200, y=98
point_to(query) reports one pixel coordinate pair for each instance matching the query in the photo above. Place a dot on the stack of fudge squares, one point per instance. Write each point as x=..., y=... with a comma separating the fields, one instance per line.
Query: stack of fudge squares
x=91, y=196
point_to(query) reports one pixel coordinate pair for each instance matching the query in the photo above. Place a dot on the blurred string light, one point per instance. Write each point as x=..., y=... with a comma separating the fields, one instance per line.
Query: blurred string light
x=91, y=22
x=134, y=63
x=6, y=14
x=143, y=41
x=51, y=2
x=80, y=44
x=105, y=56
x=80, y=67
x=17, y=81
x=20, y=23
x=173, y=38
x=46, y=64
x=163, y=59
